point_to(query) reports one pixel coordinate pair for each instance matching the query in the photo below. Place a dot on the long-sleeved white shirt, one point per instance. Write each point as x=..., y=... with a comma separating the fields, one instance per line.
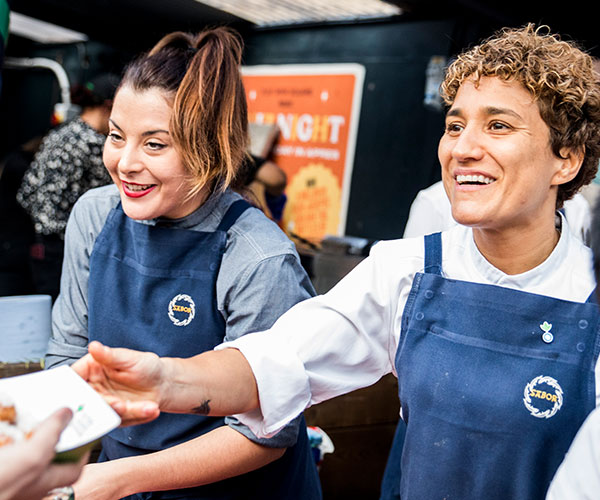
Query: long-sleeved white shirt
x=578, y=477
x=347, y=339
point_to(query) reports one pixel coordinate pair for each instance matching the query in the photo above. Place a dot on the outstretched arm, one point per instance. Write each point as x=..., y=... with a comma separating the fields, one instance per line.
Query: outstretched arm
x=138, y=385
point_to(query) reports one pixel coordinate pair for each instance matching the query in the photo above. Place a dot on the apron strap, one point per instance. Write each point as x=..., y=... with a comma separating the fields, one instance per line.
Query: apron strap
x=433, y=253
x=236, y=209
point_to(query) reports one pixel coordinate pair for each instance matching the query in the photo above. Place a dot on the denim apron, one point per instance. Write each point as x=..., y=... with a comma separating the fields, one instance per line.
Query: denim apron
x=494, y=384
x=153, y=288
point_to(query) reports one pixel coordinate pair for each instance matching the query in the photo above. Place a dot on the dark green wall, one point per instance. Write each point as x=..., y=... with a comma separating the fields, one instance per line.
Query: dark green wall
x=396, y=148
x=28, y=95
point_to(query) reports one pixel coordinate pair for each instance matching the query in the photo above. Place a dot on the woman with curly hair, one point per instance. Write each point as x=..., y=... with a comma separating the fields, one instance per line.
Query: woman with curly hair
x=491, y=326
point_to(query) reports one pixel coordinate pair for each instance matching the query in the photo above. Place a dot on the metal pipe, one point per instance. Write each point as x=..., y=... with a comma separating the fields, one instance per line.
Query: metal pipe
x=44, y=62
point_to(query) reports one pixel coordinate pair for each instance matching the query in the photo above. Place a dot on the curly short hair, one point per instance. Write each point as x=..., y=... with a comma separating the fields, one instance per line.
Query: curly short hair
x=561, y=78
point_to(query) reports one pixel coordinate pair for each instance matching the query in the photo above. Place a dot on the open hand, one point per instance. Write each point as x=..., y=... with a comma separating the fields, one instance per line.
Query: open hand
x=130, y=381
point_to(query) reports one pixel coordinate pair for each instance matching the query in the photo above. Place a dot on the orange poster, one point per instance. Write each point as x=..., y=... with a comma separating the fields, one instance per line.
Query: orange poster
x=316, y=108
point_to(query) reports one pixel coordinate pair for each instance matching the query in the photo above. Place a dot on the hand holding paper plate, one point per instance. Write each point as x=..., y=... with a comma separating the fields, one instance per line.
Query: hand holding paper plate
x=33, y=397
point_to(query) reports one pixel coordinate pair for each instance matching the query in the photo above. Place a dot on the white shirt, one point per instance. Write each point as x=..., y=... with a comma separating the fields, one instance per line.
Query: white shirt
x=431, y=212
x=578, y=477
x=346, y=339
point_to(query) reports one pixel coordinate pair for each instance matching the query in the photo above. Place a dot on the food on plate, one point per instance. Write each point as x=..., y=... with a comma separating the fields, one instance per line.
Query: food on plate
x=14, y=425
x=8, y=412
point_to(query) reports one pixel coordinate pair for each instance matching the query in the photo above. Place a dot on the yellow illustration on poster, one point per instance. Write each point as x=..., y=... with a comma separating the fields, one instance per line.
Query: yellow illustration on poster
x=316, y=109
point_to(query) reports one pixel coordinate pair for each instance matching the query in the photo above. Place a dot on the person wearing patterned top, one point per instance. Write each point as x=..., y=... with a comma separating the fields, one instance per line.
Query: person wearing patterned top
x=68, y=163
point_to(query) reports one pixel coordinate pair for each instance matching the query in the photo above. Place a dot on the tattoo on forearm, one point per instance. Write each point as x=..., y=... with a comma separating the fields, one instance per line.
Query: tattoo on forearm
x=203, y=408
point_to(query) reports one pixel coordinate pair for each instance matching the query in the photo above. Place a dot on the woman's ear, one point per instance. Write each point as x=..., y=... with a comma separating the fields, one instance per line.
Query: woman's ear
x=571, y=161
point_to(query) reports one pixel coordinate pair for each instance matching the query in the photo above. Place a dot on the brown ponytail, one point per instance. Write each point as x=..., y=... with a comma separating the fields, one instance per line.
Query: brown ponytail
x=209, y=124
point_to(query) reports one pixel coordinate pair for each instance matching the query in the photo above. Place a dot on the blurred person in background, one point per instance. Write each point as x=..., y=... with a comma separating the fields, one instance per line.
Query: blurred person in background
x=66, y=165
x=431, y=212
x=16, y=229
x=266, y=181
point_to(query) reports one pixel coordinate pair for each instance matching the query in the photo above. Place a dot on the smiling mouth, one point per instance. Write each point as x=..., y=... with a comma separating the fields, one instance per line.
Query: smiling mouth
x=136, y=190
x=474, y=180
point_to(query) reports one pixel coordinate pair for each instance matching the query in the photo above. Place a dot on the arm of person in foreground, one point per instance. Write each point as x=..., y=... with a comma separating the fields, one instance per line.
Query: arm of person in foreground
x=227, y=451
x=217, y=455
x=579, y=474
x=26, y=468
x=215, y=383
x=321, y=348
x=138, y=385
x=127, y=377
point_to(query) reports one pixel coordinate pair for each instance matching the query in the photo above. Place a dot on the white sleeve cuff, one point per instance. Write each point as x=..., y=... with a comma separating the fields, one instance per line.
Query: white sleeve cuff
x=279, y=403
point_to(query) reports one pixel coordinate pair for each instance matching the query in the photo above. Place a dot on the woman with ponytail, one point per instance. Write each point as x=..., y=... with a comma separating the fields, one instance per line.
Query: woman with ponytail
x=171, y=260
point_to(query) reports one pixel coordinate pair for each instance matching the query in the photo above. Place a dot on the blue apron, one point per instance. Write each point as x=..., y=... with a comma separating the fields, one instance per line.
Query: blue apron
x=390, y=484
x=494, y=384
x=153, y=288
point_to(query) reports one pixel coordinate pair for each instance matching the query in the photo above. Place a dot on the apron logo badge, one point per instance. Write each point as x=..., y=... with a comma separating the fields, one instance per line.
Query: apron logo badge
x=547, y=335
x=182, y=310
x=543, y=396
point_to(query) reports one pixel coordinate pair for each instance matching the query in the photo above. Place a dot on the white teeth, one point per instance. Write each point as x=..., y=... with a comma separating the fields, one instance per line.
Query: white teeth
x=479, y=179
x=137, y=187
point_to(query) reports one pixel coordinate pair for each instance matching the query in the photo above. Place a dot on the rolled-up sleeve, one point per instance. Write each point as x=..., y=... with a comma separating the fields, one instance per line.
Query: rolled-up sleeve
x=256, y=285
x=578, y=476
x=285, y=438
x=323, y=347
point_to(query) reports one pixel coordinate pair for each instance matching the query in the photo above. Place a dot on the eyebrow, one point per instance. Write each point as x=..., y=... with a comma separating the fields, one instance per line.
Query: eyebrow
x=144, y=134
x=490, y=110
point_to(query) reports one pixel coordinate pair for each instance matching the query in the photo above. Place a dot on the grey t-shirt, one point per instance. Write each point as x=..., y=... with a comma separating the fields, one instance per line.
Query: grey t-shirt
x=259, y=279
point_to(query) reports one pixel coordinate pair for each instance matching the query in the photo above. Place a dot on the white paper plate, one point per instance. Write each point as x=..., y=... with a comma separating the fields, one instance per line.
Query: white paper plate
x=37, y=395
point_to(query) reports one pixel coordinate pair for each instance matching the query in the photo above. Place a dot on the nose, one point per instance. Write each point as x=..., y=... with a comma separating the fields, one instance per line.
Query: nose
x=129, y=160
x=468, y=145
